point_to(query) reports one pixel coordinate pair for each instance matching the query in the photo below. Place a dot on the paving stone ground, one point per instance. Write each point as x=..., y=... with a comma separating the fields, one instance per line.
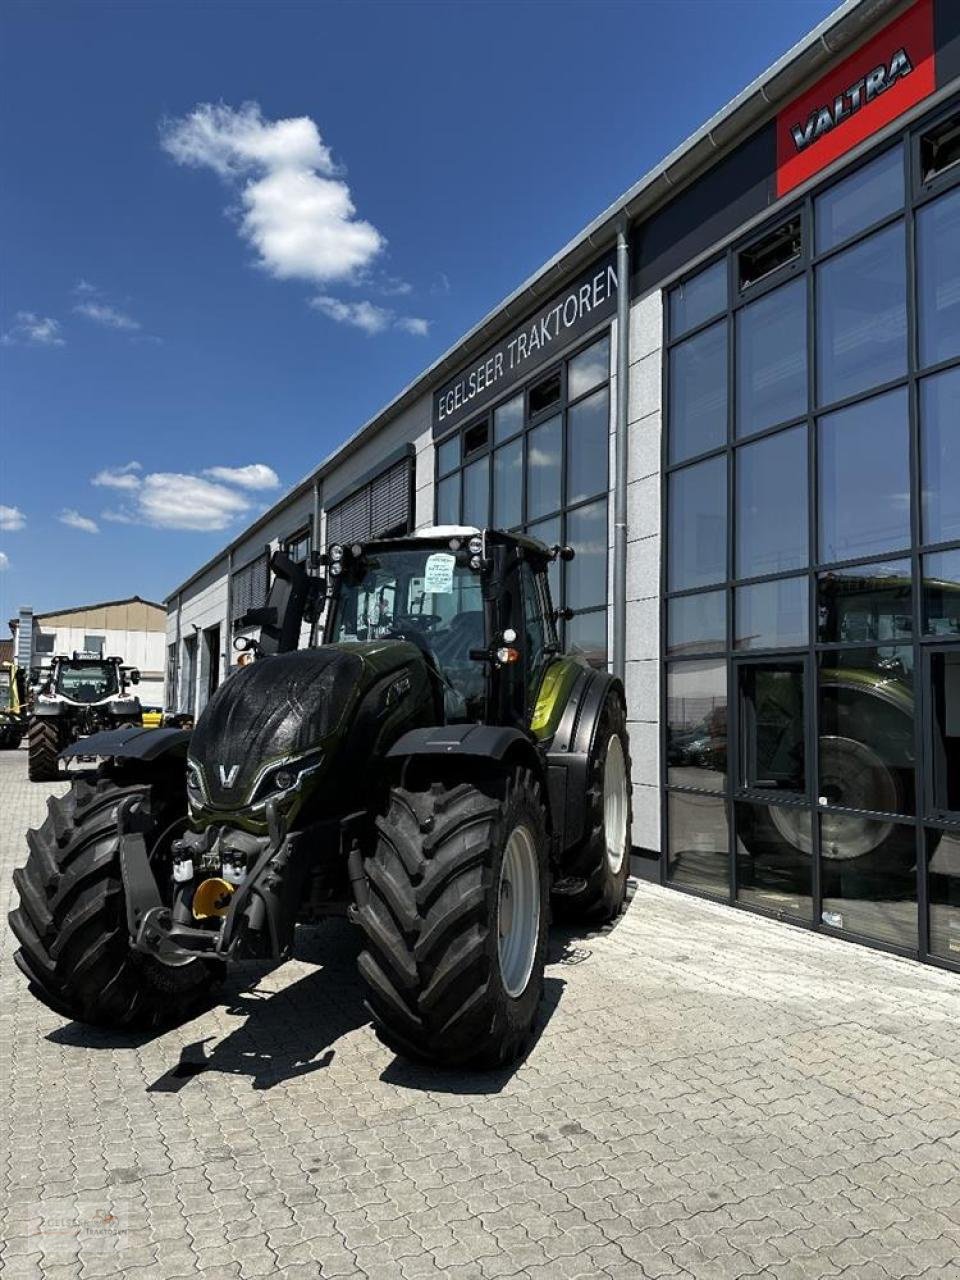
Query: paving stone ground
x=710, y=1094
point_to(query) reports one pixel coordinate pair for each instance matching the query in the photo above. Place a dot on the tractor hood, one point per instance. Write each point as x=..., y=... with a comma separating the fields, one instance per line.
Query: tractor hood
x=278, y=710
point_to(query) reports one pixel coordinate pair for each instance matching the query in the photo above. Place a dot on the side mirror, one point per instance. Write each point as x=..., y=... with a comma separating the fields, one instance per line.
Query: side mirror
x=134, y=676
x=564, y=614
x=563, y=553
x=245, y=644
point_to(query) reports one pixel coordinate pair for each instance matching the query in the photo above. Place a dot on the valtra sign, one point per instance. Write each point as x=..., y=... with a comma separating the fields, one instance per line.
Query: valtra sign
x=886, y=76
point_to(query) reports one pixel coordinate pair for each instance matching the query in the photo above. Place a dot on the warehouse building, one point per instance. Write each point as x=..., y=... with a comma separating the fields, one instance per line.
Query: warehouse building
x=737, y=395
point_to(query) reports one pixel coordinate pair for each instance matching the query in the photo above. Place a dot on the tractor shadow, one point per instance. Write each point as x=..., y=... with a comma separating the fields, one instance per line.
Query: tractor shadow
x=294, y=1032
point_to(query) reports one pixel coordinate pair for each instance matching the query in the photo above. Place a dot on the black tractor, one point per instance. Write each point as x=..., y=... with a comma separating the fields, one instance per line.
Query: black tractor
x=77, y=696
x=435, y=770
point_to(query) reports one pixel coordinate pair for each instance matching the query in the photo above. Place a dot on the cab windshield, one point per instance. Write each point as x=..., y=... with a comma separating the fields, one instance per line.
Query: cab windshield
x=88, y=682
x=425, y=596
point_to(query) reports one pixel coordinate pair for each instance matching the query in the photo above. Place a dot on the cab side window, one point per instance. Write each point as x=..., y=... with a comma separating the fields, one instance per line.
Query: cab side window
x=535, y=637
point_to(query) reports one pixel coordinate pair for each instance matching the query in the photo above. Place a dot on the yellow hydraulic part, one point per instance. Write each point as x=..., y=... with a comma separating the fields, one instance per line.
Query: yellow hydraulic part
x=212, y=898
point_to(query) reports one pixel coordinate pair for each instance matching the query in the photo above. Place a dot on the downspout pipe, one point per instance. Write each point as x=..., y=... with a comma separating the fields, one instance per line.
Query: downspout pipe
x=228, y=626
x=621, y=453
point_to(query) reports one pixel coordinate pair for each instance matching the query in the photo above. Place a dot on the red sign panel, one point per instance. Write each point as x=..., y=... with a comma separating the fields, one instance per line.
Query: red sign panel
x=888, y=74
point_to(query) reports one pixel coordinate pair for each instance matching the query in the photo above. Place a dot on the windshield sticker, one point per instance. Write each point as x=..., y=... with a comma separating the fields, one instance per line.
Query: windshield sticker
x=438, y=574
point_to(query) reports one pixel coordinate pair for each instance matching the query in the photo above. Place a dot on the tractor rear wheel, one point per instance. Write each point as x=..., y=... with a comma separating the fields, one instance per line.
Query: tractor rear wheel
x=596, y=871
x=72, y=925
x=456, y=921
x=43, y=745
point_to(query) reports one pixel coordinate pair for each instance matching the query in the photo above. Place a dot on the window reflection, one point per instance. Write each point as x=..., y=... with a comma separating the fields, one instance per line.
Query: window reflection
x=774, y=858
x=587, y=635
x=588, y=440
x=548, y=531
x=862, y=317
x=865, y=479
x=866, y=603
x=697, y=549
x=697, y=624
x=698, y=393
x=543, y=469
x=938, y=278
x=508, y=419
x=943, y=862
x=941, y=594
x=448, y=455
x=448, y=500
x=697, y=299
x=772, y=516
x=508, y=485
x=698, y=849
x=867, y=196
x=587, y=571
x=940, y=452
x=772, y=359
x=697, y=724
x=772, y=615
x=870, y=884
x=866, y=740
x=589, y=368
x=476, y=493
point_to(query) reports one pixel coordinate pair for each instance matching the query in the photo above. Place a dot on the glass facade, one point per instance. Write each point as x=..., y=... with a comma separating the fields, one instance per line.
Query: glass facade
x=538, y=463
x=811, y=677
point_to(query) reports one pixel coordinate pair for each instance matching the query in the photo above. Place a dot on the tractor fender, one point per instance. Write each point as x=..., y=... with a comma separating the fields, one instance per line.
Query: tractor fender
x=498, y=743
x=131, y=742
x=568, y=756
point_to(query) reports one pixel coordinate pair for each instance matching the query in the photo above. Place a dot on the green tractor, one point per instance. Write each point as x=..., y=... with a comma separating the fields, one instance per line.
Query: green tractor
x=12, y=706
x=78, y=695
x=435, y=770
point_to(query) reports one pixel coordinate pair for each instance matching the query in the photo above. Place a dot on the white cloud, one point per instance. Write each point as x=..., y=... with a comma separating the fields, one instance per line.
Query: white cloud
x=367, y=316
x=32, y=330
x=110, y=317
x=76, y=521
x=11, y=519
x=4, y=560
x=124, y=477
x=257, y=475
x=413, y=324
x=297, y=211
x=168, y=500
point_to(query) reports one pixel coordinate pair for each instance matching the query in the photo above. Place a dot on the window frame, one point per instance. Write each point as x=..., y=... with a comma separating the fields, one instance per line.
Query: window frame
x=917, y=196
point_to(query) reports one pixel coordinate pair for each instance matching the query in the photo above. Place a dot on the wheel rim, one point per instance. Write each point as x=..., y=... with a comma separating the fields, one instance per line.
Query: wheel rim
x=853, y=776
x=615, y=804
x=518, y=911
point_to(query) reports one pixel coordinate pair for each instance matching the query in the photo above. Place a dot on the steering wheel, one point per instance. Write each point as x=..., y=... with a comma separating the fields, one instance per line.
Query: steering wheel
x=421, y=621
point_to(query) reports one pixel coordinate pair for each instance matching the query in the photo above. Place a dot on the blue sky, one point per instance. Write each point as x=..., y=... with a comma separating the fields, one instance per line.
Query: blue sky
x=196, y=288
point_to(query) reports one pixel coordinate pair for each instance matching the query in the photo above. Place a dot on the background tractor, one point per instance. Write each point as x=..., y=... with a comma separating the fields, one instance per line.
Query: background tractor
x=77, y=696
x=13, y=699
x=435, y=770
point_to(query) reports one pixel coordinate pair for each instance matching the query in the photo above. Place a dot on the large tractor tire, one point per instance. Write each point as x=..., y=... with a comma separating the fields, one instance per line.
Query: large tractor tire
x=71, y=923
x=599, y=866
x=456, y=921
x=43, y=746
x=852, y=775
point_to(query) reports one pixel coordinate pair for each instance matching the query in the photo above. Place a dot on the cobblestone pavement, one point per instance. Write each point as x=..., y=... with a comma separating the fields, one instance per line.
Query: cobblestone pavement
x=709, y=1095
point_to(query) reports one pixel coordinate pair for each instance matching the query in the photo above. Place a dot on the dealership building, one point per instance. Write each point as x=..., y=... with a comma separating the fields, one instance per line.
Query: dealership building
x=737, y=395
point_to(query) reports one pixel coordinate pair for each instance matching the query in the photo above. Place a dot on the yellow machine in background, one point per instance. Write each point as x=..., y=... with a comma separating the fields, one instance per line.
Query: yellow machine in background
x=13, y=722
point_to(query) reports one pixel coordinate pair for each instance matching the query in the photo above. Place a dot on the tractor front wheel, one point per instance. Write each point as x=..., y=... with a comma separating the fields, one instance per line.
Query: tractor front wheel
x=456, y=921
x=43, y=746
x=72, y=923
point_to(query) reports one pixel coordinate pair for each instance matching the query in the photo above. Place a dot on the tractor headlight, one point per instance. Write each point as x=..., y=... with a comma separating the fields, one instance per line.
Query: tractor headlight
x=356, y=551
x=283, y=778
x=335, y=553
x=195, y=787
x=475, y=546
x=336, y=568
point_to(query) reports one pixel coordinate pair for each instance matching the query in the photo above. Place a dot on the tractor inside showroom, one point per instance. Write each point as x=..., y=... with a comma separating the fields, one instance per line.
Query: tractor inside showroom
x=13, y=699
x=77, y=696
x=436, y=770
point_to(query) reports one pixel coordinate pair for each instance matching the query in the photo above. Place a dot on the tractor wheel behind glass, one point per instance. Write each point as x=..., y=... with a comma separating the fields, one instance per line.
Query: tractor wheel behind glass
x=602, y=860
x=456, y=921
x=852, y=775
x=71, y=922
x=43, y=745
